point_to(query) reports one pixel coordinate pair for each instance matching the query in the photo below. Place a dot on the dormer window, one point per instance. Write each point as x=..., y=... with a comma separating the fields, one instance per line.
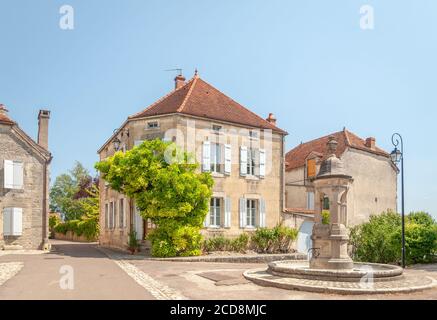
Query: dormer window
x=152, y=125
x=311, y=168
x=217, y=129
x=253, y=134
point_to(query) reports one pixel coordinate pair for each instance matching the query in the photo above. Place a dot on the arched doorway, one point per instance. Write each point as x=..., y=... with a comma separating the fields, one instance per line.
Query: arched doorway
x=304, y=242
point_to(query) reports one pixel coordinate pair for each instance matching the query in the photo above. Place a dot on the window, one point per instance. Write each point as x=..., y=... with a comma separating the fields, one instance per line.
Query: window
x=114, y=219
x=111, y=215
x=251, y=161
x=325, y=203
x=217, y=128
x=13, y=174
x=251, y=213
x=216, y=158
x=121, y=214
x=12, y=221
x=215, y=212
x=106, y=216
x=253, y=134
x=311, y=168
x=310, y=200
x=153, y=125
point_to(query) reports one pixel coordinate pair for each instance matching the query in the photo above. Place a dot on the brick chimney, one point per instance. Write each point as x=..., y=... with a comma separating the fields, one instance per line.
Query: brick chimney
x=271, y=118
x=43, y=128
x=370, y=143
x=179, y=81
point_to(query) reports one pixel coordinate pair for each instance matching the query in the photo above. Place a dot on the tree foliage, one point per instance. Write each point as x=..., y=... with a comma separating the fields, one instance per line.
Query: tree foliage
x=166, y=187
x=379, y=240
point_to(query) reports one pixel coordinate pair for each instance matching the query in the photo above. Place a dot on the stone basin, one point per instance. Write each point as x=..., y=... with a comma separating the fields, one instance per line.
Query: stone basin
x=301, y=270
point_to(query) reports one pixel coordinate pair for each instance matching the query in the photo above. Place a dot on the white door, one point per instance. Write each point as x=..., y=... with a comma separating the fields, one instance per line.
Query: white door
x=304, y=242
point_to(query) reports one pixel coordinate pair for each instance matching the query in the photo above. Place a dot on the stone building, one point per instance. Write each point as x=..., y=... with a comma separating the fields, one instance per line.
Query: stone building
x=243, y=152
x=373, y=190
x=24, y=184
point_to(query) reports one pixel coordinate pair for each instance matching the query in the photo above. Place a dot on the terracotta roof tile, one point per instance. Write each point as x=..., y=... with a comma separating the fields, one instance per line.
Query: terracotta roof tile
x=198, y=98
x=296, y=157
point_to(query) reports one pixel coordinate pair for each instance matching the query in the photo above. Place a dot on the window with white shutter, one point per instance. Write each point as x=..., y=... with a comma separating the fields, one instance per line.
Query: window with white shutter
x=243, y=214
x=262, y=213
x=12, y=221
x=206, y=154
x=228, y=159
x=121, y=223
x=262, y=163
x=243, y=160
x=13, y=174
x=227, y=223
x=111, y=215
x=106, y=216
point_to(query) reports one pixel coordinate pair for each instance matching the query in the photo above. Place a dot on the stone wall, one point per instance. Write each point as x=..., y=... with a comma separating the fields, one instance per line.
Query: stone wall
x=30, y=199
x=70, y=236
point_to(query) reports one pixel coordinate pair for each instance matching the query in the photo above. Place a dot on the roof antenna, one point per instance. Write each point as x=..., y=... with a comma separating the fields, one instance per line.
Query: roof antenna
x=179, y=70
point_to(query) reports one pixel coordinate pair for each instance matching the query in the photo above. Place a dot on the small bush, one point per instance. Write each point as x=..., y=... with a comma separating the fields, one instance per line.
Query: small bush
x=217, y=243
x=275, y=240
x=326, y=217
x=241, y=243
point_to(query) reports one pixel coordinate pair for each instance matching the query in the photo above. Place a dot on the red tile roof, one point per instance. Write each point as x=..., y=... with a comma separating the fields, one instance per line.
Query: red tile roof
x=200, y=99
x=3, y=115
x=296, y=157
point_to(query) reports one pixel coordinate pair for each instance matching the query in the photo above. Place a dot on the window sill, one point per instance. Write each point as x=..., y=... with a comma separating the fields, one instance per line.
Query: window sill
x=252, y=177
x=14, y=190
x=216, y=228
x=217, y=175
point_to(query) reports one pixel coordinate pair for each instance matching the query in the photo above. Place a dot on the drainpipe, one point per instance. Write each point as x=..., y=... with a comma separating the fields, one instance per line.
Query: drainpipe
x=45, y=217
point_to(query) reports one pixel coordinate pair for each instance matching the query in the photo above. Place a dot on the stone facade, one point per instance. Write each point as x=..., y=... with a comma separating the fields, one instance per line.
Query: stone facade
x=373, y=191
x=190, y=133
x=32, y=196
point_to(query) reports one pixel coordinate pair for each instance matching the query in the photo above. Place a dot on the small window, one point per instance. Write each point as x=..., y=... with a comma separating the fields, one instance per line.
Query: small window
x=217, y=128
x=215, y=212
x=251, y=212
x=216, y=158
x=325, y=203
x=111, y=215
x=153, y=125
x=253, y=134
x=251, y=161
x=121, y=214
x=106, y=216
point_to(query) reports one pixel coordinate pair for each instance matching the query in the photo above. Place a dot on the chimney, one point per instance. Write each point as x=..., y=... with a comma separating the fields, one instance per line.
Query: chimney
x=370, y=143
x=43, y=128
x=179, y=81
x=271, y=118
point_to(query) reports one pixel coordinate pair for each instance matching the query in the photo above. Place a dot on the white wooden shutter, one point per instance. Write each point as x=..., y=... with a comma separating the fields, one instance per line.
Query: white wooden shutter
x=106, y=216
x=243, y=213
x=7, y=221
x=17, y=222
x=243, y=160
x=206, y=156
x=227, y=212
x=138, y=224
x=262, y=163
x=228, y=159
x=18, y=175
x=262, y=213
x=207, y=218
x=8, y=174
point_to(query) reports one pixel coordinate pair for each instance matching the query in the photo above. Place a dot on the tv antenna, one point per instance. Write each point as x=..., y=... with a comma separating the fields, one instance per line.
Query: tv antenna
x=179, y=70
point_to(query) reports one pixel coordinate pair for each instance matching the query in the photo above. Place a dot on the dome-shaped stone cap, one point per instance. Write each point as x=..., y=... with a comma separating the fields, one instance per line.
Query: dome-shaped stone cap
x=331, y=166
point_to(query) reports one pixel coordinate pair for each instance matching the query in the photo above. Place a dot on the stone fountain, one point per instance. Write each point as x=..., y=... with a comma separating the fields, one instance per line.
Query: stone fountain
x=330, y=268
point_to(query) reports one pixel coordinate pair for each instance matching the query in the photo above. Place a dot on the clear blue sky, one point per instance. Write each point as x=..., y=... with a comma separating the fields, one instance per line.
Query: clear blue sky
x=308, y=62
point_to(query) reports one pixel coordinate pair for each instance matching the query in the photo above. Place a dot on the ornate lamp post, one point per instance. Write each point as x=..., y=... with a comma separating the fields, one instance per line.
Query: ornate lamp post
x=398, y=156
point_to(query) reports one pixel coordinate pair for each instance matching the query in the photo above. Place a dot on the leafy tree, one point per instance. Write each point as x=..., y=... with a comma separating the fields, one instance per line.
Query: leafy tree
x=67, y=188
x=164, y=182
x=379, y=239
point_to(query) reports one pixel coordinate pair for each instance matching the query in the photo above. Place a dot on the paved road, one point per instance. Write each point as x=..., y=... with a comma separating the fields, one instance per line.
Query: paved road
x=131, y=277
x=95, y=276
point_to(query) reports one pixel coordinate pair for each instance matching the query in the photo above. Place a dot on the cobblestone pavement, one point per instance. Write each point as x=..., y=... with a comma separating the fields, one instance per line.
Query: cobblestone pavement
x=97, y=276
x=8, y=270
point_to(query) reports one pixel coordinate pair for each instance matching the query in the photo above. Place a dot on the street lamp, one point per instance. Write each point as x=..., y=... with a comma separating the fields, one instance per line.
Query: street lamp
x=398, y=156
